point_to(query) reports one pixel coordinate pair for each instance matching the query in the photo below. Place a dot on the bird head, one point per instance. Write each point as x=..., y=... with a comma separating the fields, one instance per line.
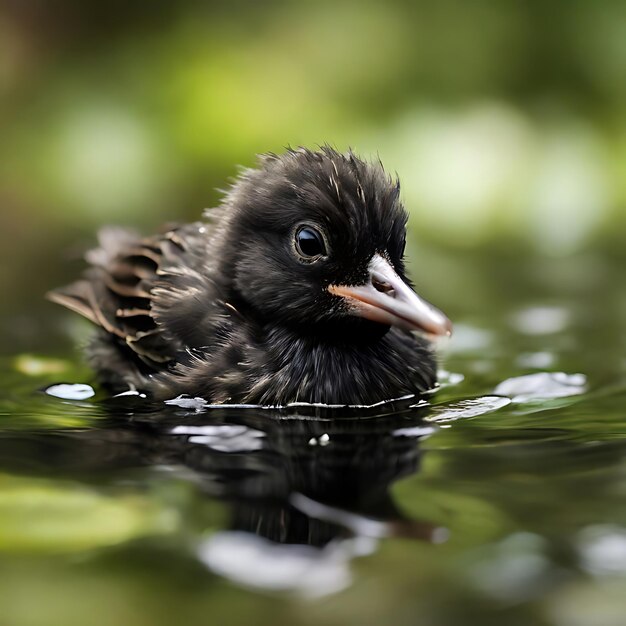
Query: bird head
x=317, y=238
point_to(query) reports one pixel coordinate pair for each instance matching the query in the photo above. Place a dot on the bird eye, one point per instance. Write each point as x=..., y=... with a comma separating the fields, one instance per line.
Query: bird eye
x=309, y=242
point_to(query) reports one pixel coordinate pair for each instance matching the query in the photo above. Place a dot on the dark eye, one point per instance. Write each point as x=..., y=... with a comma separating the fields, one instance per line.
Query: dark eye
x=309, y=242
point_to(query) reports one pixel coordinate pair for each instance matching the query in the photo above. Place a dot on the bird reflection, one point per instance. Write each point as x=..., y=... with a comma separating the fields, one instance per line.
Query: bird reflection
x=287, y=481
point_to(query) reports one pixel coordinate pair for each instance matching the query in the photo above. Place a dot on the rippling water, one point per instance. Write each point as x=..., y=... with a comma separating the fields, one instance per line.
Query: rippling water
x=501, y=499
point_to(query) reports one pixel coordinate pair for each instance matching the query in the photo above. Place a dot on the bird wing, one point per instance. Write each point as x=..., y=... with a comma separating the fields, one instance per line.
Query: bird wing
x=128, y=279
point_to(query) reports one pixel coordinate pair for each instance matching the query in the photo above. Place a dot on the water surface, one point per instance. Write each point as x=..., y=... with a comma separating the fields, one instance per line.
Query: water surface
x=502, y=499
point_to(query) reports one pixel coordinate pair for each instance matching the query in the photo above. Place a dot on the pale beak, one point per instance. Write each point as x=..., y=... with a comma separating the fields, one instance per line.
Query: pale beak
x=387, y=299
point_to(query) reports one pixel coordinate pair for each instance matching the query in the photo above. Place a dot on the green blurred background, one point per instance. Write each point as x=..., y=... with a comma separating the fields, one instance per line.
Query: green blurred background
x=505, y=120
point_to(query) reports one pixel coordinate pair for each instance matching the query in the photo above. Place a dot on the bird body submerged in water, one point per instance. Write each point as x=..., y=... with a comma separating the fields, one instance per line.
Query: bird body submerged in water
x=293, y=290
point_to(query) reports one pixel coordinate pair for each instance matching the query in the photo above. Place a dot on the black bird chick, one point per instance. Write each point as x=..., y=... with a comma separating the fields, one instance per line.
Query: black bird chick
x=293, y=290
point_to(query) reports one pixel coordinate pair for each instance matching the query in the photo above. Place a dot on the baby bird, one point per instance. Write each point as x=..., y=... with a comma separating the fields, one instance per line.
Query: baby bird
x=292, y=290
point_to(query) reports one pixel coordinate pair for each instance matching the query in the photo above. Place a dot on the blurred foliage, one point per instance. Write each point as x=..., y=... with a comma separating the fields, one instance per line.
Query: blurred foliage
x=501, y=117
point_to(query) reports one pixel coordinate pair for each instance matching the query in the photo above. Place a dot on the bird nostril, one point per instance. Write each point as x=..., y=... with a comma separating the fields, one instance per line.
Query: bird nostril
x=383, y=286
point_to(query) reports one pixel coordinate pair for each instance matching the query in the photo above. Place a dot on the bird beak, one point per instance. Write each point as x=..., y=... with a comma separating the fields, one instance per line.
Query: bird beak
x=387, y=299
